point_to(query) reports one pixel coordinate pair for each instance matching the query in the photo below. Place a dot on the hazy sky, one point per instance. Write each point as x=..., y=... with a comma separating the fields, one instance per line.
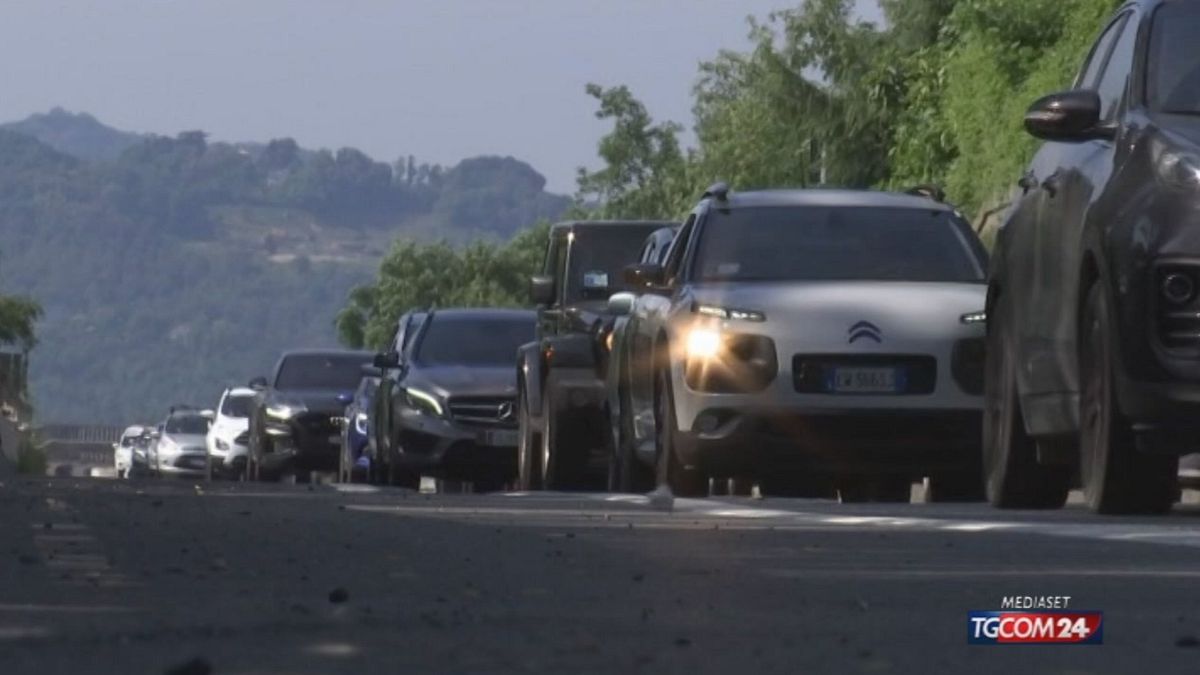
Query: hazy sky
x=439, y=79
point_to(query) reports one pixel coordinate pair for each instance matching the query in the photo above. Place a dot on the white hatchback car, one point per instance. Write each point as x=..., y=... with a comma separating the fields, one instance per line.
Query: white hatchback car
x=123, y=450
x=180, y=449
x=228, y=438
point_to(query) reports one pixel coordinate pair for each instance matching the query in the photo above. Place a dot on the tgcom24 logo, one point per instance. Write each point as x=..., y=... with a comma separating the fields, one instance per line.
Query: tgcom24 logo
x=1035, y=620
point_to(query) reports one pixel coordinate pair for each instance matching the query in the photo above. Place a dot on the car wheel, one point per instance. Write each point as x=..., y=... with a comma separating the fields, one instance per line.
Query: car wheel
x=561, y=454
x=529, y=442
x=683, y=482
x=626, y=472
x=1116, y=478
x=1013, y=478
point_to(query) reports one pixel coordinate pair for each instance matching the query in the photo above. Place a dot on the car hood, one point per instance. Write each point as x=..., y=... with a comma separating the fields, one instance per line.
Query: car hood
x=828, y=312
x=449, y=381
x=1180, y=129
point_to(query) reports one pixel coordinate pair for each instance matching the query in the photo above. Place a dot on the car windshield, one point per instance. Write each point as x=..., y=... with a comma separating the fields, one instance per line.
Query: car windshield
x=187, y=424
x=822, y=243
x=598, y=255
x=340, y=372
x=1173, y=70
x=237, y=406
x=475, y=340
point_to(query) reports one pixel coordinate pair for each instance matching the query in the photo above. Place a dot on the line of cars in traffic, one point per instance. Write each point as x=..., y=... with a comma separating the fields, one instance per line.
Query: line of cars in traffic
x=825, y=342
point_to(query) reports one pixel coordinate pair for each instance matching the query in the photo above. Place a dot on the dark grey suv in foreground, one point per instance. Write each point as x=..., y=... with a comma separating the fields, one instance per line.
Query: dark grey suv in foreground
x=1093, y=310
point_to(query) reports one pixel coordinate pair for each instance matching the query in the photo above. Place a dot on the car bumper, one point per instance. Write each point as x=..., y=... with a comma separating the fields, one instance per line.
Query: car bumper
x=1165, y=415
x=182, y=465
x=308, y=443
x=454, y=451
x=759, y=442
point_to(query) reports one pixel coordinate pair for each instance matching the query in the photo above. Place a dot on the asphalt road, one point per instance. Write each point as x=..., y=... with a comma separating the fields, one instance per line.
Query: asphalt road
x=162, y=576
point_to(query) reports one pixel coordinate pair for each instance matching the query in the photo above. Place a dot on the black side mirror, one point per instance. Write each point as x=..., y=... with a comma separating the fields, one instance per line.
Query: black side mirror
x=644, y=275
x=386, y=361
x=1067, y=117
x=259, y=383
x=541, y=290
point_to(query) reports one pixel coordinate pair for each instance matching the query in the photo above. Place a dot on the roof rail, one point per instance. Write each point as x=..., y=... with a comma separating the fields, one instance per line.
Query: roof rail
x=720, y=190
x=934, y=192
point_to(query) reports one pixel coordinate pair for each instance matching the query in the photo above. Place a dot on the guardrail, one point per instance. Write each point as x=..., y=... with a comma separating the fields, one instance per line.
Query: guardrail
x=78, y=433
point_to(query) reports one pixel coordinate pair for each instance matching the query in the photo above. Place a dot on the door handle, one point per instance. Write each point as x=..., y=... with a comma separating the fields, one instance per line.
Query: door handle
x=1051, y=184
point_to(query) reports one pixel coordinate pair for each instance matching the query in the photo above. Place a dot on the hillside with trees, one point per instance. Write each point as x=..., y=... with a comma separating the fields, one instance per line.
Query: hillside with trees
x=936, y=95
x=174, y=266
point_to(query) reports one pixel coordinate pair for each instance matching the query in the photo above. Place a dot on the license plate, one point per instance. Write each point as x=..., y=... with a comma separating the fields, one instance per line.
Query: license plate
x=864, y=380
x=194, y=462
x=500, y=438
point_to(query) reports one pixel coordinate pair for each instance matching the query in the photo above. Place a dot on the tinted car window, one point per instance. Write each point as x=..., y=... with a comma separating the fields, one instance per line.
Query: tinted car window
x=321, y=371
x=597, y=257
x=1114, y=81
x=835, y=243
x=474, y=341
x=187, y=424
x=1173, y=75
x=1091, y=71
x=237, y=406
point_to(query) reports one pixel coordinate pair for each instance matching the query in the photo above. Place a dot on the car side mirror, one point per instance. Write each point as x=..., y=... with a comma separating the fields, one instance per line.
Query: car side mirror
x=541, y=290
x=385, y=361
x=1067, y=117
x=644, y=275
x=259, y=383
x=621, y=304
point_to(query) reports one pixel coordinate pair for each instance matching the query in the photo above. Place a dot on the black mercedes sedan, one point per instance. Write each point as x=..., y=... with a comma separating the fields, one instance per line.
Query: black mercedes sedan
x=452, y=414
x=1094, y=298
x=297, y=417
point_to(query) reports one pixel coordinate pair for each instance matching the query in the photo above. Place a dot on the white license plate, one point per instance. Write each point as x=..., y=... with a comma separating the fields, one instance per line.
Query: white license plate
x=864, y=381
x=500, y=439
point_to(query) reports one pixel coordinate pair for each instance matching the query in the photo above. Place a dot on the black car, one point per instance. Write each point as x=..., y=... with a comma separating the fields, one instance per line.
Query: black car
x=379, y=423
x=562, y=402
x=296, y=421
x=1093, y=313
x=453, y=409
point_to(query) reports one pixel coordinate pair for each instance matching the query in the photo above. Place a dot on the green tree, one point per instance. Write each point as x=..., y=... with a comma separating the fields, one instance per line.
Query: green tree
x=18, y=317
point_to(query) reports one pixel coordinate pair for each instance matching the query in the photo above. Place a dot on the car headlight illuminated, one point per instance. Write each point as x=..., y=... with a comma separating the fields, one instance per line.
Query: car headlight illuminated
x=703, y=343
x=360, y=423
x=423, y=401
x=728, y=314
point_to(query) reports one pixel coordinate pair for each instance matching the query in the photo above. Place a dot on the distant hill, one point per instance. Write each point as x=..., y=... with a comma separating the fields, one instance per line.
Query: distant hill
x=77, y=134
x=178, y=266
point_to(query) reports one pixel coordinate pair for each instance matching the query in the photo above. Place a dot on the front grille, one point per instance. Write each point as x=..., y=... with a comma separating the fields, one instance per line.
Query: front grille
x=809, y=371
x=319, y=423
x=484, y=411
x=242, y=438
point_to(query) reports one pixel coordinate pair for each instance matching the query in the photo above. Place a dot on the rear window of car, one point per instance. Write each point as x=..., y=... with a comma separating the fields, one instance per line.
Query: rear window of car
x=835, y=243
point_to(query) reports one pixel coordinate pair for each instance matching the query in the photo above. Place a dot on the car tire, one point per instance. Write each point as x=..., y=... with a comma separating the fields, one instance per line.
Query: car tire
x=682, y=481
x=1013, y=478
x=561, y=468
x=626, y=473
x=529, y=445
x=1117, y=479
x=955, y=488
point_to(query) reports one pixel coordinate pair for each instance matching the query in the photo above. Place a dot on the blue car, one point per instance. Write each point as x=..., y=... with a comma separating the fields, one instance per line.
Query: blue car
x=355, y=462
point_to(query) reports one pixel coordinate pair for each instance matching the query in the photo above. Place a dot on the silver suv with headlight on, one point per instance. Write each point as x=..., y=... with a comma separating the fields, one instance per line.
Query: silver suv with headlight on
x=810, y=340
